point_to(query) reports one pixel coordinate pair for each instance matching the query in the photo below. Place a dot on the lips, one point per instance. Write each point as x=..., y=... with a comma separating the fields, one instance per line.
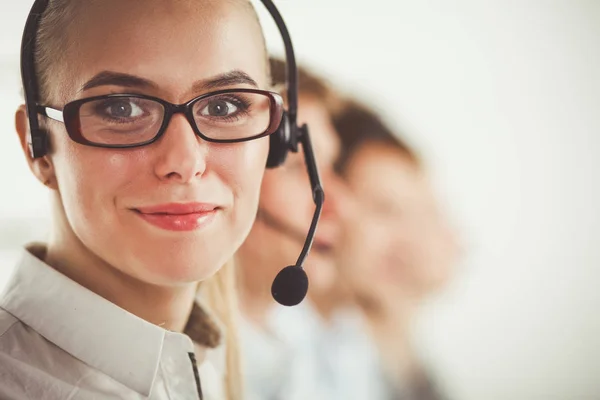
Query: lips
x=322, y=248
x=179, y=216
x=327, y=237
x=324, y=244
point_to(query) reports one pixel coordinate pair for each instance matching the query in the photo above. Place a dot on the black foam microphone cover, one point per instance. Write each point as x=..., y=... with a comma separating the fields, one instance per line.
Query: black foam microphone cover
x=290, y=286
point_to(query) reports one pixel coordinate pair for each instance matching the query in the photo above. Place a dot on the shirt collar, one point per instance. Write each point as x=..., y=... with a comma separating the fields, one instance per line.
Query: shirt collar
x=91, y=328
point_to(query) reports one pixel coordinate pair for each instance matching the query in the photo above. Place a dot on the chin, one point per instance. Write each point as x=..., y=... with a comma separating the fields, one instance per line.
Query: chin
x=177, y=267
x=322, y=271
x=175, y=258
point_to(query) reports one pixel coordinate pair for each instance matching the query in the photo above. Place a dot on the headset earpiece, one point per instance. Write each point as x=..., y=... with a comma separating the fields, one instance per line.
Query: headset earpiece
x=38, y=143
x=280, y=143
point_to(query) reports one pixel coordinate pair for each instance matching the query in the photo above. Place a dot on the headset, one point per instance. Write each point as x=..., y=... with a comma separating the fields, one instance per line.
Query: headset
x=291, y=284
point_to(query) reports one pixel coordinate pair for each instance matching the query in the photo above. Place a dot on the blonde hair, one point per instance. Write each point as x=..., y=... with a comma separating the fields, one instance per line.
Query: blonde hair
x=52, y=42
x=220, y=295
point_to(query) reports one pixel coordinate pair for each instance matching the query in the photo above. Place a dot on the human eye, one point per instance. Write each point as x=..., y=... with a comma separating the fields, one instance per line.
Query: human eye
x=122, y=110
x=225, y=108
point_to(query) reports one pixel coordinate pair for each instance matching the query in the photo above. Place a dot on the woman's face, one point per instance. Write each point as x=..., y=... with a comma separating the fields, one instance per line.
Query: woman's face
x=396, y=245
x=286, y=195
x=115, y=200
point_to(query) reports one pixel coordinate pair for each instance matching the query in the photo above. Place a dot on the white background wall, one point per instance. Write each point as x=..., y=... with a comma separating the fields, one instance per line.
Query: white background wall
x=503, y=98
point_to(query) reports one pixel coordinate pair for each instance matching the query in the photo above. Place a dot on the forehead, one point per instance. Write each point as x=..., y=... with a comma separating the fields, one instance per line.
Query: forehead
x=172, y=43
x=384, y=173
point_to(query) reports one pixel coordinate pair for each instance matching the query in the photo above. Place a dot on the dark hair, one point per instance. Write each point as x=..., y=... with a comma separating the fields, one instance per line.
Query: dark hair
x=357, y=125
x=309, y=85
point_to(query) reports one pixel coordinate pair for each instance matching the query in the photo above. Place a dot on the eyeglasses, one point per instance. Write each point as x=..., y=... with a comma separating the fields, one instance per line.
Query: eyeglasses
x=132, y=120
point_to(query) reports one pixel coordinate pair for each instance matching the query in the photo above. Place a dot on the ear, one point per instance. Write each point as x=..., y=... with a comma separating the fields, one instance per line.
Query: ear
x=41, y=167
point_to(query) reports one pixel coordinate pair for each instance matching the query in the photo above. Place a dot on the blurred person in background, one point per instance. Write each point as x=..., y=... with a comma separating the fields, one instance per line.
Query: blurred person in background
x=296, y=353
x=397, y=248
x=153, y=148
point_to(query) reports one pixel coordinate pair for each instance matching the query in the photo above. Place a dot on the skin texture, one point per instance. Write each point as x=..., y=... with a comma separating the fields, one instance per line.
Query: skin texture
x=98, y=239
x=286, y=196
x=397, y=244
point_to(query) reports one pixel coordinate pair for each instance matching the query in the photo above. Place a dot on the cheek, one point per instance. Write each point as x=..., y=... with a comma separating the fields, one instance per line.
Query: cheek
x=378, y=251
x=359, y=249
x=273, y=191
x=373, y=237
x=91, y=179
x=286, y=194
x=241, y=167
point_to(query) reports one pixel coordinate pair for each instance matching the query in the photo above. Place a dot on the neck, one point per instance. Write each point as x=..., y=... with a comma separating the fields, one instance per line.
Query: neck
x=167, y=307
x=325, y=306
x=255, y=305
x=259, y=259
x=254, y=289
x=391, y=327
x=327, y=302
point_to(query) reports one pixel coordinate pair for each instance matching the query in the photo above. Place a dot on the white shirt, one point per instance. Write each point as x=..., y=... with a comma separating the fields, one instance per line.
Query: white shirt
x=59, y=340
x=266, y=362
x=307, y=358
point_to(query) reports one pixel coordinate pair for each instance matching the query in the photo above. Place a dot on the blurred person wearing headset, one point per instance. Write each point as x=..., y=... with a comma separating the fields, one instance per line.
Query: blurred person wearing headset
x=398, y=250
x=150, y=123
x=311, y=351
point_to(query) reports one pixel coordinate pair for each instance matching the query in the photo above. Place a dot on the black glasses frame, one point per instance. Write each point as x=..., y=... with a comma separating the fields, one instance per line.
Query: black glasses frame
x=70, y=116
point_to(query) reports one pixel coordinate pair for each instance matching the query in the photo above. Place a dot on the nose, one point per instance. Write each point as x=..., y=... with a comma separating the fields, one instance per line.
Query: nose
x=182, y=155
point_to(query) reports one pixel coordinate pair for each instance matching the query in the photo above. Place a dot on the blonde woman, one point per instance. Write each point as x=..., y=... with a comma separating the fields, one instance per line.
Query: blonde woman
x=154, y=121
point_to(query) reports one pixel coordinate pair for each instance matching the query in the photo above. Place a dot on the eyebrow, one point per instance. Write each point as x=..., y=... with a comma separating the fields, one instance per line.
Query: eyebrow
x=111, y=78
x=235, y=77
